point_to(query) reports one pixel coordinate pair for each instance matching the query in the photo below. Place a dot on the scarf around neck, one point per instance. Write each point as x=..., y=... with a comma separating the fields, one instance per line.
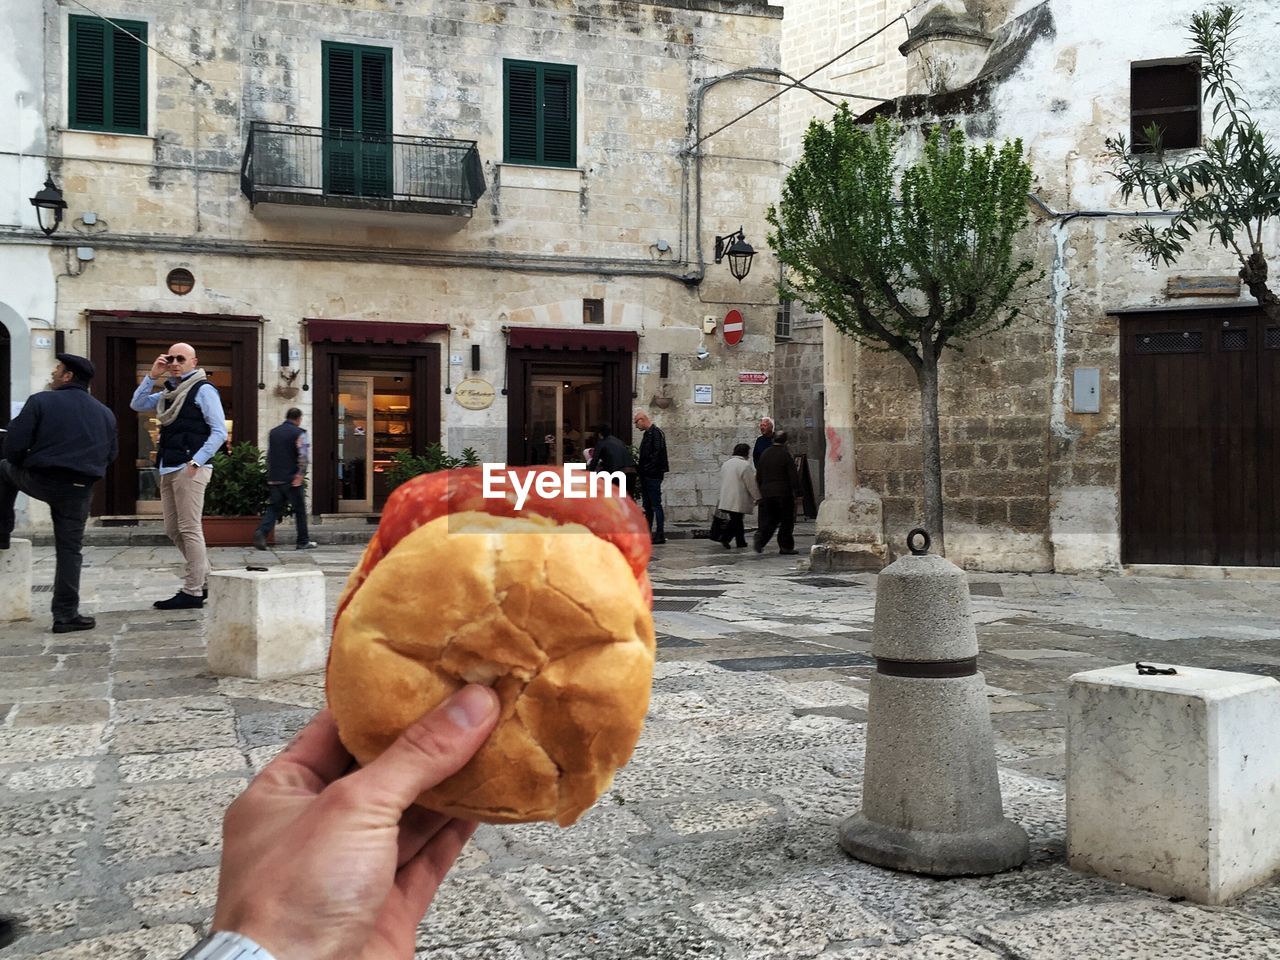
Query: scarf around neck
x=172, y=398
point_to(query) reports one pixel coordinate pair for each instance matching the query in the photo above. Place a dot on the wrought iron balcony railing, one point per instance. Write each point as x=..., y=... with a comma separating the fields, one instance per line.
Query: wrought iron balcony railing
x=317, y=166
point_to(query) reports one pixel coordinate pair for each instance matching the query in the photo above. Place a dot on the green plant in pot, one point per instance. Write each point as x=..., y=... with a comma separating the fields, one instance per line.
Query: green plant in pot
x=236, y=496
x=406, y=466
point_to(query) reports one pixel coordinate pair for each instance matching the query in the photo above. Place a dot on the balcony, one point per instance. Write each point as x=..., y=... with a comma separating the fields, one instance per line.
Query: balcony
x=338, y=169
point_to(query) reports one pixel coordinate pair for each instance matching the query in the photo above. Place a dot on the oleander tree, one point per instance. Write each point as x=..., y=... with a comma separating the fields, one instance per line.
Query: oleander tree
x=911, y=258
x=1230, y=189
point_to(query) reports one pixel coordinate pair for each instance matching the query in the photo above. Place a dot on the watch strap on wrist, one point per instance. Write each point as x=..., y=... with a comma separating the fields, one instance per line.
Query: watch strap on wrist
x=224, y=945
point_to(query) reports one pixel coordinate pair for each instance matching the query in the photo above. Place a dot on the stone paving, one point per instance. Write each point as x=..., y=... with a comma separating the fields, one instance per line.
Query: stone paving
x=118, y=754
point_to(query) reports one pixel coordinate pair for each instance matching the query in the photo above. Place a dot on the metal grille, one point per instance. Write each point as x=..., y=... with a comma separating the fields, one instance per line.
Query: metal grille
x=42, y=588
x=675, y=606
x=1272, y=338
x=1235, y=338
x=1174, y=341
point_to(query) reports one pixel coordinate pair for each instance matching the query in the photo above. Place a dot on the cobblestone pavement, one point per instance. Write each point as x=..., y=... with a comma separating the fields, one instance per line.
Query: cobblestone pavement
x=118, y=753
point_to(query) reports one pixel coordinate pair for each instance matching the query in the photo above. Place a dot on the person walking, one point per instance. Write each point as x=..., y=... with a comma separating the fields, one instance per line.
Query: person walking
x=288, y=454
x=779, y=486
x=739, y=494
x=651, y=467
x=192, y=429
x=764, y=440
x=57, y=447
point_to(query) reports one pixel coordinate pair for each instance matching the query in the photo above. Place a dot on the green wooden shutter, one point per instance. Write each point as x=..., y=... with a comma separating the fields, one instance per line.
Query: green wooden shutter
x=88, y=73
x=107, y=74
x=520, y=117
x=129, y=81
x=357, y=120
x=558, y=100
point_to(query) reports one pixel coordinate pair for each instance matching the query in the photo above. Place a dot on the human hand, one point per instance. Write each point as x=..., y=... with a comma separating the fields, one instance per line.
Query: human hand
x=321, y=866
x=297, y=481
x=158, y=366
x=192, y=468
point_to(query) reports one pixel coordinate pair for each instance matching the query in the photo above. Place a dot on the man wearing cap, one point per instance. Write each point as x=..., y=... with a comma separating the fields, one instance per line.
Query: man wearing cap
x=56, y=448
x=192, y=429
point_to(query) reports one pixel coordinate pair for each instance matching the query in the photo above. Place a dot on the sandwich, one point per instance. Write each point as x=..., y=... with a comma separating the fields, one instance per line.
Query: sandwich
x=549, y=605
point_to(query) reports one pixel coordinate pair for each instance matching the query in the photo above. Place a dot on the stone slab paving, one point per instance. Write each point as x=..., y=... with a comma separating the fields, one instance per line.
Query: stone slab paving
x=118, y=754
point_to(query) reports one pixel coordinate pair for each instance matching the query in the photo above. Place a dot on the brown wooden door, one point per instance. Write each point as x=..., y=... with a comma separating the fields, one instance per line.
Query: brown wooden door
x=1200, y=439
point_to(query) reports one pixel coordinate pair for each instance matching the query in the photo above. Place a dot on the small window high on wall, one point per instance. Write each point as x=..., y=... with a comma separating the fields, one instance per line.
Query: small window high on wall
x=540, y=113
x=107, y=75
x=1165, y=93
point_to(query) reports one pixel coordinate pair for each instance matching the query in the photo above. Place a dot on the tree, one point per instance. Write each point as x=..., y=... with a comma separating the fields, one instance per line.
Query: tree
x=912, y=263
x=1231, y=188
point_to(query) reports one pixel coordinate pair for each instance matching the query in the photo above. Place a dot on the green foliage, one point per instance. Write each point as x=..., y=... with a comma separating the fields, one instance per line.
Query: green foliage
x=406, y=466
x=1230, y=188
x=238, y=487
x=908, y=262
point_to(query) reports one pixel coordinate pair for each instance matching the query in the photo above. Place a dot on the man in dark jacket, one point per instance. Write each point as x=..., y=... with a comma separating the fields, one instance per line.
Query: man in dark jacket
x=610, y=453
x=56, y=448
x=288, y=453
x=779, y=483
x=652, y=466
x=764, y=440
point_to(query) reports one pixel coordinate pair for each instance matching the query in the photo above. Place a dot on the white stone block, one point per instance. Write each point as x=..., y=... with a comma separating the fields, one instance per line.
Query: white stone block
x=266, y=623
x=1173, y=783
x=15, y=581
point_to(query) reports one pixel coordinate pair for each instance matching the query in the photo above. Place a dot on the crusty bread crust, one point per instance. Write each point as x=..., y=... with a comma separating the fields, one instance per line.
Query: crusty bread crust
x=551, y=616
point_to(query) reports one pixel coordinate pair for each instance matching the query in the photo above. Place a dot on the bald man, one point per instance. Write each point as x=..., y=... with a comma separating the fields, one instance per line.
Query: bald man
x=192, y=429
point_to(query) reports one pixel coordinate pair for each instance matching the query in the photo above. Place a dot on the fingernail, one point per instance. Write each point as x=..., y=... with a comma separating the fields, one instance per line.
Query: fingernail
x=471, y=706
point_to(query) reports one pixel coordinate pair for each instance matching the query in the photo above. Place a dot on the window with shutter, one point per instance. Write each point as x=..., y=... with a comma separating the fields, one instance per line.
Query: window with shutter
x=1165, y=94
x=357, y=120
x=107, y=75
x=540, y=113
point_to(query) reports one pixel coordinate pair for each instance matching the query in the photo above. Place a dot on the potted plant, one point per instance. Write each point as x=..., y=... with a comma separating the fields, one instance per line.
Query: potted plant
x=236, y=497
x=406, y=466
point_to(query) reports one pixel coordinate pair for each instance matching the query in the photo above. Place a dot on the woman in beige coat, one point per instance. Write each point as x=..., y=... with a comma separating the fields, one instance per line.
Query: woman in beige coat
x=738, y=494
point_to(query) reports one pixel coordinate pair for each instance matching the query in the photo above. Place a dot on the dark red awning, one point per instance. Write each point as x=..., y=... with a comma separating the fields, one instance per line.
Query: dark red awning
x=543, y=338
x=365, y=331
x=165, y=315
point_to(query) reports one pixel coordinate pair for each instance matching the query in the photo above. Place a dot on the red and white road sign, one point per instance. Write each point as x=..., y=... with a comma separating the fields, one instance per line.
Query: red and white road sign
x=732, y=327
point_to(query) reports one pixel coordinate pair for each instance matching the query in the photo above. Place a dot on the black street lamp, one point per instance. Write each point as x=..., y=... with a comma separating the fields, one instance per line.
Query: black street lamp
x=739, y=252
x=49, y=199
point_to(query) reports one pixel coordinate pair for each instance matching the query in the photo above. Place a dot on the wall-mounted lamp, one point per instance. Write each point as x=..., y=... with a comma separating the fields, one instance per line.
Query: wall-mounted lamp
x=49, y=206
x=285, y=363
x=739, y=252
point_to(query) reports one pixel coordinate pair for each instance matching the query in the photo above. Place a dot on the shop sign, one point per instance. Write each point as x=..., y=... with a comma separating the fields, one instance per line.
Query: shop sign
x=754, y=376
x=474, y=394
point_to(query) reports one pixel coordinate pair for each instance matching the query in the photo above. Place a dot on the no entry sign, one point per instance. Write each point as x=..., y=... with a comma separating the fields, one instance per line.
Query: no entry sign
x=732, y=327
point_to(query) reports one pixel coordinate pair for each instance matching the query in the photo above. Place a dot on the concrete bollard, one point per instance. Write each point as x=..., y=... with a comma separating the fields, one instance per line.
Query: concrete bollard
x=15, y=581
x=931, y=794
x=266, y=623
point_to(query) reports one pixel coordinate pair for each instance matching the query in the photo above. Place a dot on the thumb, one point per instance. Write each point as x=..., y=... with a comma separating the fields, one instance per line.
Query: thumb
x=432, y=748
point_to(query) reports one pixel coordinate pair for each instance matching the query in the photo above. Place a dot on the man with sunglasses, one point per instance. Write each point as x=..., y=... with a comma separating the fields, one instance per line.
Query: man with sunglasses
x=192, y=429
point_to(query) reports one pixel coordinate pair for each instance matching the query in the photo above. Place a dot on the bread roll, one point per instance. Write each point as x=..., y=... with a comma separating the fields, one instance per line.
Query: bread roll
x=548, y=614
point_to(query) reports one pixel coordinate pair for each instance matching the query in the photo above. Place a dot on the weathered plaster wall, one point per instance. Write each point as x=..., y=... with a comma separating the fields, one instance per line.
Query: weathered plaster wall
x=541, y=239
x=1029, y=484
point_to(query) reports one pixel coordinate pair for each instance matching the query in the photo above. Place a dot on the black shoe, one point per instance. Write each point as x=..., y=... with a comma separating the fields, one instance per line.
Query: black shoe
x=658, y=540
x=180, y=601
x=725, y=544
x=758, y=547
x=4, y=543
x=75, y=623
x=788, y=553
x=309, y=545
x=259, y=540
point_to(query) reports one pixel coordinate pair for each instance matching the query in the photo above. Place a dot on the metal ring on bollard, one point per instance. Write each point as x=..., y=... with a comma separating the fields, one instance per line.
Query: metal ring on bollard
x=918, y=531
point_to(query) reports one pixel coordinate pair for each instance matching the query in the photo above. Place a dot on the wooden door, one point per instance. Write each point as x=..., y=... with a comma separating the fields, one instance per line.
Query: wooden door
x=1200, y=439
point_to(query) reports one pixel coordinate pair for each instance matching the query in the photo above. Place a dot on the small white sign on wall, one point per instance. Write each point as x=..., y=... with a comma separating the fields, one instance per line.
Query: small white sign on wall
x=42, y=341
x=702, y=393
x=642, y=368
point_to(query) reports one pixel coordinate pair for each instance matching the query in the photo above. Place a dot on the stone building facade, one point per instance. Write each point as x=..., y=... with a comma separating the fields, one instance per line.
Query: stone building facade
x=1097, y=432
x=487, y=224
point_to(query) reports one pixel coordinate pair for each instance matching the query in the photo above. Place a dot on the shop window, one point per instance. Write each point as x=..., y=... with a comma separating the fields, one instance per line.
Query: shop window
x=539, y=113
x=1165, y=94
x=107, y=75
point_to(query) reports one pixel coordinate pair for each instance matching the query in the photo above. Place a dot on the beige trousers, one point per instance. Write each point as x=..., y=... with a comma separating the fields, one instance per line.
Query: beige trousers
x=182, y=499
